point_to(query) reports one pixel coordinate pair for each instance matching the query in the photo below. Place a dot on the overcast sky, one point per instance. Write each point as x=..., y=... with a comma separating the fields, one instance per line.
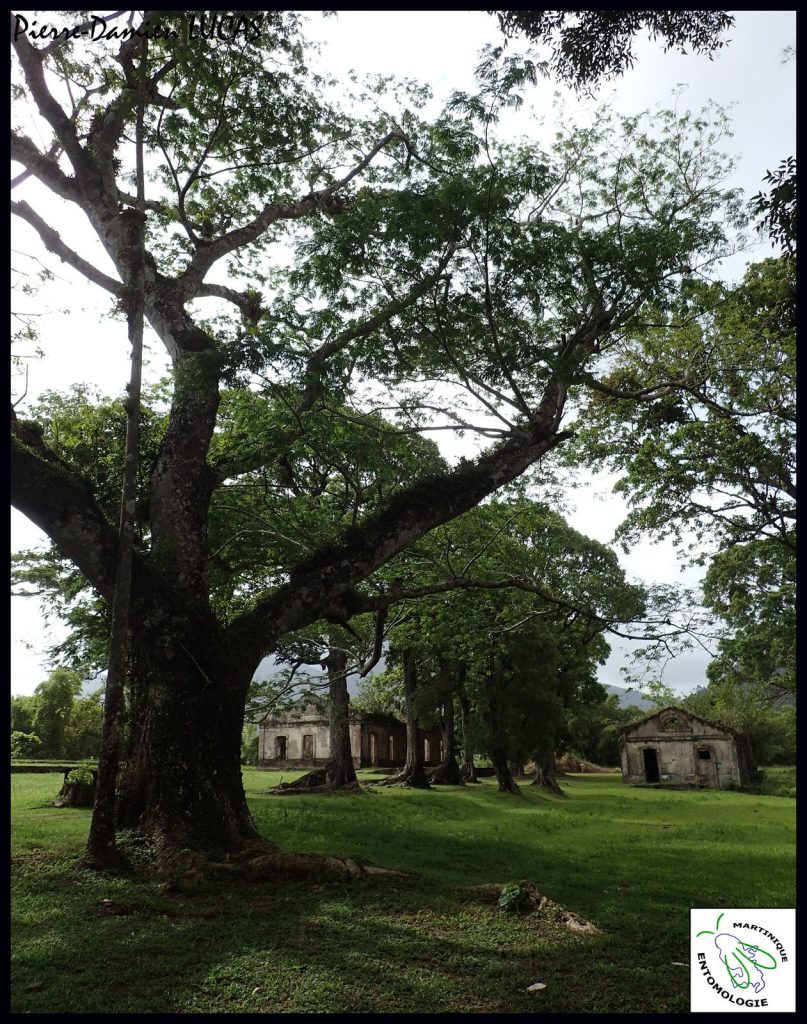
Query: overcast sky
x=83, y=346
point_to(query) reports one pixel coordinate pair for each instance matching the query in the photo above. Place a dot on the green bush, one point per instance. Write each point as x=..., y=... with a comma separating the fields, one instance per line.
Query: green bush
x=24, y=744
x=81, y=776
x=249, y=751
x=777, y=781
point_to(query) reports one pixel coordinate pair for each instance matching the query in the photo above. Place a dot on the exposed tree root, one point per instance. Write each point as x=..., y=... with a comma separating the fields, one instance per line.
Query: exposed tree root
x=535, y=901
x=312, y=866
x=448, y=774
x=411, y=778
x=115, y=860
x=506, y=783
x=545, y=778
x=315, y=781
x=260, y=860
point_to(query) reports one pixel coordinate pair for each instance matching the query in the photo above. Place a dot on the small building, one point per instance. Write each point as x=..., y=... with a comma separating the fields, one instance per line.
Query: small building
x=674, y=747
x=300, y=738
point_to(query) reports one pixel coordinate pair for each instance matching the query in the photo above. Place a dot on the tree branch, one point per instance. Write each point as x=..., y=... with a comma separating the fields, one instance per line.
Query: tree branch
x=53, y=243
x=204, y=258
x=53, y=497
x=30, y=59
x=250, y=306
x=42, y=166
x=323, y=583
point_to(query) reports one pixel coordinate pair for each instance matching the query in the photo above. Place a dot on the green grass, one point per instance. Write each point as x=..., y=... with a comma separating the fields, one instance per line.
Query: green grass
x=631, y=860
x=778, y=780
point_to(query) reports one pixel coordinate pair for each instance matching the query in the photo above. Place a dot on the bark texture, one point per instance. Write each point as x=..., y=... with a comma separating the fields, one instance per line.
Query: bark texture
x=448, y=771
x=339, y=770
x=497, y=739
x=413, y=774
x=468, y=767
x=182, y=782
x=545, y=777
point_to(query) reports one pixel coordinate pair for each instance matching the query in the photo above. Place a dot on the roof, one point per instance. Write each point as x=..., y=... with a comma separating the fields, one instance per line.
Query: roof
x=306, y=711
x=680, y=711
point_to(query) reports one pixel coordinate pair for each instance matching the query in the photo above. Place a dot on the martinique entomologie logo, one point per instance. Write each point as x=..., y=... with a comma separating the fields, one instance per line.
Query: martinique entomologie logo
x=743, y=960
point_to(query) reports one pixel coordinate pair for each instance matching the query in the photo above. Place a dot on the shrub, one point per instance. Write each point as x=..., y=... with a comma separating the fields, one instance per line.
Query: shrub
x=24, y=744
x=249, y=752
x=81, y=776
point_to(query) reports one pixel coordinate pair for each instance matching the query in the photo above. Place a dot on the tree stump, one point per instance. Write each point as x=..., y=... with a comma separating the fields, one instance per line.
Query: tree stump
x=77, y=794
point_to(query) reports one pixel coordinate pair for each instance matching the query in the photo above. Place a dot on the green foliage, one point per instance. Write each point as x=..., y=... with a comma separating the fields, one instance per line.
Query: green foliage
x=777, y=207
x=530, y=651
x=24, y=744
x=249, y=747
x=514, y=899
x=757, y=711
x=23, y=712
x=777, y=782
x=55, y=702
x=81, y=776
x=717, y=456
x=731, y=359
x=82, y=735
x=752, y=587
x=587, y=46
x=592, y=724
x=380, y=693
x=64, y=724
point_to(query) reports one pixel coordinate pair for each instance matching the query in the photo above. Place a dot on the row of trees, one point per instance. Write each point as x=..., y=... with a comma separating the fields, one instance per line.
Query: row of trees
x=441, y=279
x=56, y=721
x=500, y=648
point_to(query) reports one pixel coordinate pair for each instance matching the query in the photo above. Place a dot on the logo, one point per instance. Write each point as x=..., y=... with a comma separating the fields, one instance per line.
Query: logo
x=743, y=960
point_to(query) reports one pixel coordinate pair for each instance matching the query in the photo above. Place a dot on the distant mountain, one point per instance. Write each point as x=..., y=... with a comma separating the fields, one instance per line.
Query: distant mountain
x=629, y=698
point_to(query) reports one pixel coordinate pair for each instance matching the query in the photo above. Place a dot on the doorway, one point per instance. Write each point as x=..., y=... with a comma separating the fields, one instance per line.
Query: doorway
x=308, y=747
x=650, y=765
x=280, y=748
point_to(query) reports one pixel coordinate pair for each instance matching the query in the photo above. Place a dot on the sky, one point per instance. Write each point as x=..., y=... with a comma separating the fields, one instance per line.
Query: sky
x=83, y=345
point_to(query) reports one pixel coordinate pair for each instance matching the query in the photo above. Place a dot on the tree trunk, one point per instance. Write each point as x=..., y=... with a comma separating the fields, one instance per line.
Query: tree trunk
x=447, y=772
x=468, y=767
x=182, y=782
x=497, y=740
x=413, y=774
x=545, y=775
x=101, y=850
x=339, y=770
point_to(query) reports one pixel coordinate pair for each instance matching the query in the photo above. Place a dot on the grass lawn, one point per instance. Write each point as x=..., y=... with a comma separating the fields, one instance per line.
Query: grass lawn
x=633, y=861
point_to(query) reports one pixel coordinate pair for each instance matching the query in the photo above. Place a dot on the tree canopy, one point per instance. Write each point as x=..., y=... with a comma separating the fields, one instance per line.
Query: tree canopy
x=587, y=46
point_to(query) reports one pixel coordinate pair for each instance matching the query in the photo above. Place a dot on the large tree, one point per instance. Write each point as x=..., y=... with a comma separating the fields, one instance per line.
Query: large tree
x=438, y=275
x=714, y=464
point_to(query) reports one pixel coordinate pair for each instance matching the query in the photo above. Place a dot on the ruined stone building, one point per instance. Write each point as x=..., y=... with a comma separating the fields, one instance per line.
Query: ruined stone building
x=299, y=738
x=675, y=747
